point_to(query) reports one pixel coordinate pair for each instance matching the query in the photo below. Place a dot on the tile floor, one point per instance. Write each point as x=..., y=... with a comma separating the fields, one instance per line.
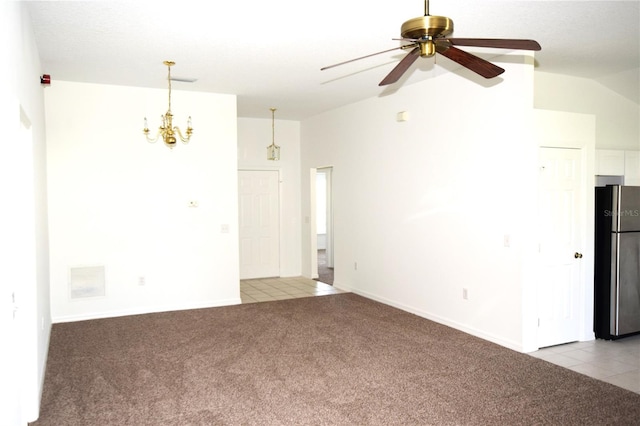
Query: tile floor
x=266, y=289
x=613, y=361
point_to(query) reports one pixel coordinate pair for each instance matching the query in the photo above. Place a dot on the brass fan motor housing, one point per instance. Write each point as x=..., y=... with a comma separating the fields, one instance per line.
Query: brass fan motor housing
x=427, y=26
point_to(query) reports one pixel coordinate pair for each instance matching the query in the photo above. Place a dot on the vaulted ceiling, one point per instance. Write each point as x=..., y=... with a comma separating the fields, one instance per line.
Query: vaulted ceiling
x=269, y=53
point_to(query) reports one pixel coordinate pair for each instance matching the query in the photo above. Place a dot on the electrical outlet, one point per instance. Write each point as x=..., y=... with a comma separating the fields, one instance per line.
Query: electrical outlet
x=465, y=294
x=142, y=281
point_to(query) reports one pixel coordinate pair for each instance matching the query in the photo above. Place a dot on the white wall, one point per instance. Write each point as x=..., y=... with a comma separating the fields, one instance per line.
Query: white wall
x=118, y=201
x=423, y=206
x=254, y=135
x=23, y=221
x=626, y=83
x=617, y=117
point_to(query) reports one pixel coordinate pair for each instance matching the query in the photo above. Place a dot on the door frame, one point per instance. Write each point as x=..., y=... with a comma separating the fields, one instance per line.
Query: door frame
x=586, y=207
x=313, y=226
x=280, y=224
x=312, y=252
x=328, y=171
x=552, y=336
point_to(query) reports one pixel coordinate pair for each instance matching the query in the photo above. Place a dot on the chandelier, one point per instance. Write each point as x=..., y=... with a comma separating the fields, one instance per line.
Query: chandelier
x=167, y=130
x=273, y=150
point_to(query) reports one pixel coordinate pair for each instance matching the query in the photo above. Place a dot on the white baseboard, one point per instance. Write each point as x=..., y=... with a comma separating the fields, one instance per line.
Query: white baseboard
x=145, y=310
x=444, y=321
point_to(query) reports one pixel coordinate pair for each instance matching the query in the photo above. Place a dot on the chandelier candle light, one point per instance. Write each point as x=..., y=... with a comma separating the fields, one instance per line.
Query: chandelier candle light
x=273, y=150
x=167, y=130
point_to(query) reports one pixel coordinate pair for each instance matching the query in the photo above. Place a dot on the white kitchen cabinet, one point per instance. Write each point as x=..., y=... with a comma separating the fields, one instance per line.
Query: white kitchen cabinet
x=610, y=162
x=632, y=168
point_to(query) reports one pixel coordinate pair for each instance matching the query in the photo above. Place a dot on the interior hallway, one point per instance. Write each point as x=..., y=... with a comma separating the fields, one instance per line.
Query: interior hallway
x=325, y=273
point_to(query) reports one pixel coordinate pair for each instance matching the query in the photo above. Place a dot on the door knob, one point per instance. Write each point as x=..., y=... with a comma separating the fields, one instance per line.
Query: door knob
x=577, y=255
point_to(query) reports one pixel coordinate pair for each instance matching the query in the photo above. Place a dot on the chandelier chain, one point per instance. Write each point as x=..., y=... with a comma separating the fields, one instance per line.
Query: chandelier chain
x=169, y=81
x=273, y=126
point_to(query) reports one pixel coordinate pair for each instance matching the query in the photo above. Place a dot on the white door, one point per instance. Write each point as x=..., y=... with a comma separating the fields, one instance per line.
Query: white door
x=560, y=245
x=259, y=223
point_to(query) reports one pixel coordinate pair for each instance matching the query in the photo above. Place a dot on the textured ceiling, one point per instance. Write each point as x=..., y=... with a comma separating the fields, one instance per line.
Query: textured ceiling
x=269, y=53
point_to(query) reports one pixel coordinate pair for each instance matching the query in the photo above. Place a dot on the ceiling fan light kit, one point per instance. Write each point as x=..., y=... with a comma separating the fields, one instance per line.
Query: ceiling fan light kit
x=427, y=35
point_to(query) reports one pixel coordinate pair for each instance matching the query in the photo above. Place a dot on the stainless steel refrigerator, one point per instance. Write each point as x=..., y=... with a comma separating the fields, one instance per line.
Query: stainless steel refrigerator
x=617, y=262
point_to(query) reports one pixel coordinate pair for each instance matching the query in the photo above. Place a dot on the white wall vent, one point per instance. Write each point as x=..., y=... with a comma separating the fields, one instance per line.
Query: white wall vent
x=86, y=281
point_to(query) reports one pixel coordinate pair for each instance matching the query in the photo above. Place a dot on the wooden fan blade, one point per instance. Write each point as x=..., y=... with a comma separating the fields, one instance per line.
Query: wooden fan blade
x=467, y=60
x=500, y=43
x=400, y=69
x=362, y=57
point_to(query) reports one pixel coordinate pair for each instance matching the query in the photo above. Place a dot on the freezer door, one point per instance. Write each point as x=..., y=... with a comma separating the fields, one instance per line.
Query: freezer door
x=625, y=283
x=625, y=213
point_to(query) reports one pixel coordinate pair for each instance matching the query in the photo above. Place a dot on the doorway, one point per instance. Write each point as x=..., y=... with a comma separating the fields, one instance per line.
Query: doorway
x=324, y=224
x=561, y=201
x=259, y=223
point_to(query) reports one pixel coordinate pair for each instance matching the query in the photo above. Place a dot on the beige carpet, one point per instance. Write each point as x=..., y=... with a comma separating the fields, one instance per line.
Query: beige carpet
x=331, y=360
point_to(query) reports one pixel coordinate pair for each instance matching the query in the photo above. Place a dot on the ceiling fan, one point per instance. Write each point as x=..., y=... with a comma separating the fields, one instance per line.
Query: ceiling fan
x=427, y=36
